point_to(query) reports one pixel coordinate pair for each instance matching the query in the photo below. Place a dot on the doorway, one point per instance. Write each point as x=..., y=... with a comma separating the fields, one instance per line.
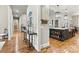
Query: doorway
x=16, y=24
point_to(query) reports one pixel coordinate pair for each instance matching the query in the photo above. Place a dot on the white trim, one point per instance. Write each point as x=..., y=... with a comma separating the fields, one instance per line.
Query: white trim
x=37, y=48
x=1, y=44
x=44, y=45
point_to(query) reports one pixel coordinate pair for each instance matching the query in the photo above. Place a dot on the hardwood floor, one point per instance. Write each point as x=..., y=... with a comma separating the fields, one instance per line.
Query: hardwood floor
x=13, y=47
x=24, y=46
x=67, y=46
x=18, y=45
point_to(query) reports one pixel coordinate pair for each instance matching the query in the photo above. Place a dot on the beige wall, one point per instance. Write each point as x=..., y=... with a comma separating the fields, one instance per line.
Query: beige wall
x=3, y=17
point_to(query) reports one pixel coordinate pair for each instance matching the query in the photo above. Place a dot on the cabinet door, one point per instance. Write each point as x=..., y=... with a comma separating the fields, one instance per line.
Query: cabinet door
x=44, y=34
x=45, y=12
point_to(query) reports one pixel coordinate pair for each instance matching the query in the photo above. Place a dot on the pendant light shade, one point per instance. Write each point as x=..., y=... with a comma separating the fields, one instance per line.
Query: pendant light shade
x=57, y=14
x=65, y=16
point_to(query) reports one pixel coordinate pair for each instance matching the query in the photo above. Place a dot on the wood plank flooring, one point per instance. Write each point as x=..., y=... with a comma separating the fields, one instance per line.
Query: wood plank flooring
x=22, y=46
x=18, y=45
x=68, y=46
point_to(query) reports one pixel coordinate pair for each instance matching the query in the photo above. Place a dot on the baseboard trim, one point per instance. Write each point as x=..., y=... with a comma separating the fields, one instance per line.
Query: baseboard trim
x=45, y=45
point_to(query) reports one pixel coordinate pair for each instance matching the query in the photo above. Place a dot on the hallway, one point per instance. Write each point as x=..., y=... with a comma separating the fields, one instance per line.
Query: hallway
x=17, y=44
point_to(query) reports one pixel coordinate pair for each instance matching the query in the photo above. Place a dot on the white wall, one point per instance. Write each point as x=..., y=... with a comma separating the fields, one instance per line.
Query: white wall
x=6, y=19
x=44, y=28
x=44, y=13
x=23, y=21
x=36, y=24
x=3, y=18
x=75, y=21
x=44, y=36
x=10, y=23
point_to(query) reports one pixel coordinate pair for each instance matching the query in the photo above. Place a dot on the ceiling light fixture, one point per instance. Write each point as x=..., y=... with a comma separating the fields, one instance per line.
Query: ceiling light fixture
x=57, y=13
x=66, y=16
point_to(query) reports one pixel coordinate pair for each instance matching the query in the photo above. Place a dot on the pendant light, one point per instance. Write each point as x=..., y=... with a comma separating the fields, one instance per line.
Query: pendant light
x=66, y=16
x=57, y=13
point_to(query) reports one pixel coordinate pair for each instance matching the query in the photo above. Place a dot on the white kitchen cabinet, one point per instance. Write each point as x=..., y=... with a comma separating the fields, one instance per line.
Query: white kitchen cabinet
x=44, y=36
x=45, y=13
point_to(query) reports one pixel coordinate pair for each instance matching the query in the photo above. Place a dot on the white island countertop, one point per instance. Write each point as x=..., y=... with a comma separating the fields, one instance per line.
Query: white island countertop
x=59, y=28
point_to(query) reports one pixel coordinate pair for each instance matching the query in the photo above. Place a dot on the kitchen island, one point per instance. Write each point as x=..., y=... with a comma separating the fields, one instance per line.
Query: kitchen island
x=61, y=33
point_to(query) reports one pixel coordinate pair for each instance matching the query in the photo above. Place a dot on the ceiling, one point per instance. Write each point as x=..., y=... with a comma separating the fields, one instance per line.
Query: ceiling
x=71, y=9
x=18, y=10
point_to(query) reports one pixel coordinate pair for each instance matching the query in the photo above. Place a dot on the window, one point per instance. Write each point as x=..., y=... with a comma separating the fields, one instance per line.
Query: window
x=56, y=23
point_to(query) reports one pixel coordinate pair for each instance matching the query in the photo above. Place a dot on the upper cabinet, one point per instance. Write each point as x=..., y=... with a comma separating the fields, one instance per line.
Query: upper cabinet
x=44, y=13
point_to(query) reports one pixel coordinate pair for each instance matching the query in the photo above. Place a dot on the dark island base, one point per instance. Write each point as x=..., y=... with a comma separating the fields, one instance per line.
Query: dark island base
x=61, y=35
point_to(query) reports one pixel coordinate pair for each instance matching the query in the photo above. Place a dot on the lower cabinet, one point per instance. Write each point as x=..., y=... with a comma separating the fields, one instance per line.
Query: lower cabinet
x=61, y=34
